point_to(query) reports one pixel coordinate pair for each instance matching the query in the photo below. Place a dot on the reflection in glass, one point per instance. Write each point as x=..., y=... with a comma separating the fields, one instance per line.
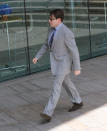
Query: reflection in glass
x=98, y=26
x=13, y=60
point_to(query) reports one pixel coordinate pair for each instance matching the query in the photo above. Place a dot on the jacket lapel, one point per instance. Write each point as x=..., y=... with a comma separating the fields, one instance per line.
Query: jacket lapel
x=57, y=36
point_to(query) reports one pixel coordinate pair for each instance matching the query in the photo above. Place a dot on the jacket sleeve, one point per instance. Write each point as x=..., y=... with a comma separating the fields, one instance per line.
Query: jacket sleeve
x=42, y=50
x=71, y=44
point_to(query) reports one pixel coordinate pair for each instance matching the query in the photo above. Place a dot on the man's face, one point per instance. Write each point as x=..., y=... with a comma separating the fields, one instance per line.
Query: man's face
x=54, y=22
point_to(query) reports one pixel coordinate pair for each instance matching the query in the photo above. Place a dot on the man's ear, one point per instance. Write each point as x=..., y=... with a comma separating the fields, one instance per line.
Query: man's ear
x=59, y=19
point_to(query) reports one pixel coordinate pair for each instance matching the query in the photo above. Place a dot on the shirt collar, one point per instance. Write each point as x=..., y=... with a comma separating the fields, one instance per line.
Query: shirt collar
x=57, y=28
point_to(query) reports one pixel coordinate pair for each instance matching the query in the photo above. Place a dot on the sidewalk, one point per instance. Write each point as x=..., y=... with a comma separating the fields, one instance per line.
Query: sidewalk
x=22, y=100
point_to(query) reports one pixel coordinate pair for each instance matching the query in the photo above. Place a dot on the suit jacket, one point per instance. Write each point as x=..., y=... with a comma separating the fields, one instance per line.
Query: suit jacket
x=63, y=52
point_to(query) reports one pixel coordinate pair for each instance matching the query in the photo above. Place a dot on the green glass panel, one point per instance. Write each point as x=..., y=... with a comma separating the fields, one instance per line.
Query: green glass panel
x=98, y=26
x=13, y=51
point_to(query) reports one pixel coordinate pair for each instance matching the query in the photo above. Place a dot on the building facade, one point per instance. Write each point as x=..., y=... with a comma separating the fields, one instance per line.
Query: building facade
x=25, y=29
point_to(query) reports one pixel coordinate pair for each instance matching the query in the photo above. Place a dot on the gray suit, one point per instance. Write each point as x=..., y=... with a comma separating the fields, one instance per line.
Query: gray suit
x=64, y=57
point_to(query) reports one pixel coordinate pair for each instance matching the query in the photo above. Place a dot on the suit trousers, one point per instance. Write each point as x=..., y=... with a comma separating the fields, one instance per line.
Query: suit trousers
x=56, y=91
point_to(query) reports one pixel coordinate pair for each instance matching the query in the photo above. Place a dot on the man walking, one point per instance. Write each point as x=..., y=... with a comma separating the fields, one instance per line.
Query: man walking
x=64, y=57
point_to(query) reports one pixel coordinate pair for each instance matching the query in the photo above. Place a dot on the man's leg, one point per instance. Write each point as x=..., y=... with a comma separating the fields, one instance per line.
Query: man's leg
x=55, y=94
x=72, y=92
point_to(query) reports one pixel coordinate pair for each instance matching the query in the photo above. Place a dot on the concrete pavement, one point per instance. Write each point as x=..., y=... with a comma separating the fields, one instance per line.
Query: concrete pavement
x=22, y=100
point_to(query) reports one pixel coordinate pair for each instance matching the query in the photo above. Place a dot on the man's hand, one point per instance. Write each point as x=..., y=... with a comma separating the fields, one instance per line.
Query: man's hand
x=35, y=60
x=77, y=72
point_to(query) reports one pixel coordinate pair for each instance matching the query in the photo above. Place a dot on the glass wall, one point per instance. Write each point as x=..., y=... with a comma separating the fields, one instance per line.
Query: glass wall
x=14, y=59
x=24, y=30
x=98, y=26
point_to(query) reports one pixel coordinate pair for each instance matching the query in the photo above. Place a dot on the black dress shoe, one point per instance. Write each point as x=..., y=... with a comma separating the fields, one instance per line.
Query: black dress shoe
x=75, y=107
x=45, y=117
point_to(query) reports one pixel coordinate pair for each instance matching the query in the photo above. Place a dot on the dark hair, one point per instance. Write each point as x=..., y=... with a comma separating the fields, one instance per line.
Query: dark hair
x=58, y=13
